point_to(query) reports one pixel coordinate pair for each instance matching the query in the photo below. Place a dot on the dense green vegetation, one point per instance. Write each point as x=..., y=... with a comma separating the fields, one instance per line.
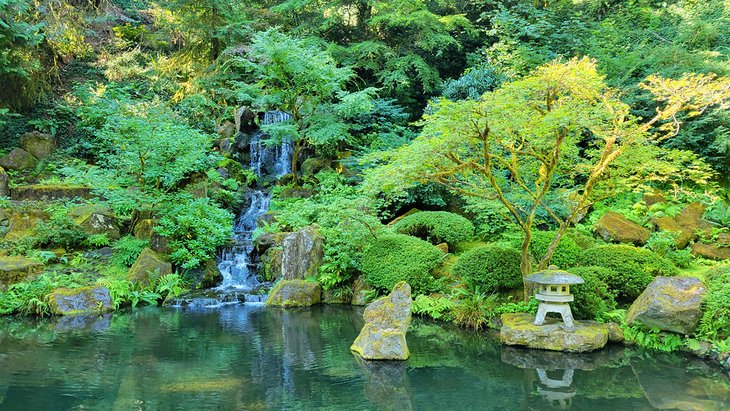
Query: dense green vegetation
x=515, y=125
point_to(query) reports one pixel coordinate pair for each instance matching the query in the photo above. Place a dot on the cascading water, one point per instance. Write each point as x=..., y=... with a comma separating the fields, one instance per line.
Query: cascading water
x=237, y=263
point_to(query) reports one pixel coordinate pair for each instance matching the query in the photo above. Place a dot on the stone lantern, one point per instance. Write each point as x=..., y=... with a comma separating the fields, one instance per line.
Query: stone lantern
x=553, y=292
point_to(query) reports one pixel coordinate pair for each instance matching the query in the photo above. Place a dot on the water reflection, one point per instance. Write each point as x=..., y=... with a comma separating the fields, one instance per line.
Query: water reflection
x=258, y=358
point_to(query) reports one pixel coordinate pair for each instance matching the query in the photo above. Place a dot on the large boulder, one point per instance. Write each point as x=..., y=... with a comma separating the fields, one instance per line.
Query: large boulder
x=4, y=180
x=267, y=240
x=207, y=275
x=302, y=253
x=684, y=225
x=49, y=192
x=38, y=144
x=148, y=266
x=80, y=301
x=21, y=222
x=614, y=227
x=361, y=291
x=383, y=337
x=271, y=264
x=295, y=293
x=519, y=329
x=15, y=269
x=669, y=304
x=711, y=251
x=96, y=219
x=18, y=159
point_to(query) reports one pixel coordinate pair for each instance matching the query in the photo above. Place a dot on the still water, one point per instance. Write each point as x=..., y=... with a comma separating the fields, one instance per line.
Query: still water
x=258, y=358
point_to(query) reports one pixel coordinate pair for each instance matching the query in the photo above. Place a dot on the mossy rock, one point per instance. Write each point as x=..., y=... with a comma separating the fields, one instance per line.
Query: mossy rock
x=294, y=293
x=519, y=329
x=80, y=301
x=4, y=180
x=271, y=264
x=38, y=144
x=143, y=228
x=383, y=337
x=148, y=266
x=361, y=291
x=711, y=251
x=207, y=275
x=314, y=165
x=18, y=160
x=685, y=225
x=50, y=192
x=267, y=240
x=669, y=304
x=96, y=219
x=15, y=269
x=614, y=227
x=341, y=295
x=21, y=222
x=302, y=253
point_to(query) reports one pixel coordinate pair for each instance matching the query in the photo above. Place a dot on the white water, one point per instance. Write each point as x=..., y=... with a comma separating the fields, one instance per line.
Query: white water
x=237, y=263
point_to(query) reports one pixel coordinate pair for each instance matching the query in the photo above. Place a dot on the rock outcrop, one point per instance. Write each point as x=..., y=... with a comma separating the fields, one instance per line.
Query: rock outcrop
x=669, y=304
x=294, y=293
x=149, y=265
x=15, y=269
x=49, y=192
x=96, y=219
x=302, y=253
x=383, y=337
x=361, y=291
x=38, y=144
x=18, y=160
x=519, y=329
x=80, y=301
x=614, y=227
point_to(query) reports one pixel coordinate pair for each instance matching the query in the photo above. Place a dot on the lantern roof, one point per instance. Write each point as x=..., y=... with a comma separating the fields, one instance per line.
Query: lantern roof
x=554, y=276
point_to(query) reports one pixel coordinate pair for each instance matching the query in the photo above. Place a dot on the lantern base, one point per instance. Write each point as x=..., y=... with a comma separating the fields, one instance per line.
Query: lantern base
x=562, y=309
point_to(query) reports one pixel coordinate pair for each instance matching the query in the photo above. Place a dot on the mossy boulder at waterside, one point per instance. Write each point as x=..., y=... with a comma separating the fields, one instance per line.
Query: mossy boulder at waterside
x=302, y=253
x=519, y=329
x=15, y=269
x=148, y=266
x=361, y=291
x=383, y=337
x=669, y=304
x=50, y=192
x=18, y=159
x=80, y=301
x=38, y=144
x=96, y=219
x=295, y=293
x=614, y=227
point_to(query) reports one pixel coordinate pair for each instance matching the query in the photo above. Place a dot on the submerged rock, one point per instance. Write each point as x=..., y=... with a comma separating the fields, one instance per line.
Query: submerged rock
x=383, y=337
x=149, y=265
x=669, y=304
x=18, y=159
x=96, y=219
x=15, y=269
x=616, y=228
x=361, y=291
x=38, y=144
x=302, y=253
x=80, y=301
x=519, y=329
x=294, y=293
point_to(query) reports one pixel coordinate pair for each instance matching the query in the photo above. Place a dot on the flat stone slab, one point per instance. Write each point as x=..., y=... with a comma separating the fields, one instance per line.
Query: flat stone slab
x=519, y=329
x=14, y=269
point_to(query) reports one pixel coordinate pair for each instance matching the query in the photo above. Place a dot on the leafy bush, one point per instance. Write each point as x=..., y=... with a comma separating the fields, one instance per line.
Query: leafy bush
x=664, y=244
x=31, y=298
x=715, y=322
x=593, y=297
x=196, y=228
x=474, y=309
x=437, y=307
x=566, y=255
x=633, y=268
x=490, y=268
x=397, y=257
x=437, y=227
x=126, y=250
x=59, y=231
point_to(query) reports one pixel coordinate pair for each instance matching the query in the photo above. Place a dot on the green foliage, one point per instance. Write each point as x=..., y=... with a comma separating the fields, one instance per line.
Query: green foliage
x=473, y=83
x=437, y=227
x=565, y=256
x=436, y=307
x=126, y=293
x=593, y=298
x=474, y=309
x=392, y=258
x=491, y=268
x=715, y=322
x=31, y=298
x=663, y=243
x=654, y=339
x=632, y=268
x=126, y=250
x=195, y=228
x=59, y=231
x=19, y=40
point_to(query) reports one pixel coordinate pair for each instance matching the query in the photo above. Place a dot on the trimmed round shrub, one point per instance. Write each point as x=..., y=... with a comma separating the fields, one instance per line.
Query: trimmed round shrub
x=491, y=268
x=566, y=255
x=592, y=297
x=396, y=257
x=633, y=268
x=437, y=227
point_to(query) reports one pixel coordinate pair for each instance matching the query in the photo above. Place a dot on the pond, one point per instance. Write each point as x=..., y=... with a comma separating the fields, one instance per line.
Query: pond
x=250, y=357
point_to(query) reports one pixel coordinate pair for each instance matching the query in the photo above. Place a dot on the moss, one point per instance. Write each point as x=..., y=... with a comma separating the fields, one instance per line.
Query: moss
x=295, y=293
x=15, y=269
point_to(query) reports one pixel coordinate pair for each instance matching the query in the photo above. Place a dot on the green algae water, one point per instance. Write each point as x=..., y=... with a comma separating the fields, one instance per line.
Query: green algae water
x=249, y=357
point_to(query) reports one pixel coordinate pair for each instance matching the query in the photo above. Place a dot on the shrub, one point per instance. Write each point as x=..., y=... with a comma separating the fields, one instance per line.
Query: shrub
x=566, y=255
x=397, y=257
x=633, y=268
x=490, y=268
x=715, y=322
x=593, y=297
x=196, y=228
x=437, y=227
x=126, y=250
x=59, y=231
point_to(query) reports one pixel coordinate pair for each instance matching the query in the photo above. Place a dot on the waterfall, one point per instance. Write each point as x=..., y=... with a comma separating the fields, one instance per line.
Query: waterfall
x=238, y=263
